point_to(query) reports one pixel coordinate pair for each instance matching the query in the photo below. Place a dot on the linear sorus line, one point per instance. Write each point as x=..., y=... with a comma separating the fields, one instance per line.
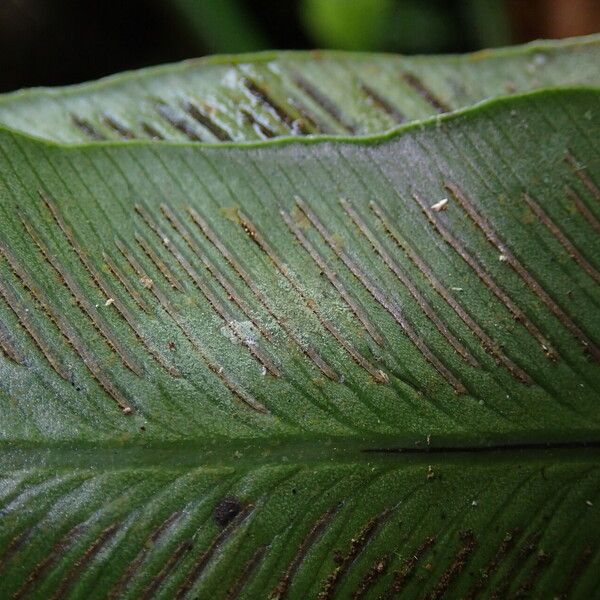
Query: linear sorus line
x=214, y=270
x=315, y=533
x=487, y=279
x=582, y=175
x=182, y=325
x=403, y=575
x=331, y=276
x=158, y=262
x=84, y=304
x=118, y=127
x=458, y=563
x=246, y=575
x=402, y=276
x=251, y=230
x=588, y=215
x=276, y=109
x=324, y=103
x=82, y=562
x=87, y=128
x=103, y=286
x=254, y=288
x=211, y=298
x=506, y=546
x=7, y=345
x=488, y=344
x=178, y=121
x=136, y=563
x=204, y=118
x=56, y=553
x=380, y=102
x=564, y=241
x=67, y=331
x=357, y=545
x=494, y=239
x=169, y=564
x=116, y=271
x=214, y=547
x=418, y=86
x=378, y=295
x=24, y=316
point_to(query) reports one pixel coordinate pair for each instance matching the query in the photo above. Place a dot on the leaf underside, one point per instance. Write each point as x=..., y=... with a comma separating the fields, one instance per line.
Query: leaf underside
x=305, y=369
x=258, y=97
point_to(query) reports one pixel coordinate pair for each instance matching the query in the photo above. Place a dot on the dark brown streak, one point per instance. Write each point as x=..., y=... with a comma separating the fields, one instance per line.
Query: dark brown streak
x=352, y=303
x=261, y=94
x=24, y=318
x=58, y=551
x=216, y=305
x=505, y=548
x=487, y=279
x=159, y=263
x=206, y=121
x=541, y=562
x=458, y=564
x=178, y=122
x=7, y=345
x=527, y=549
x=84, y=304
x=152, y=132
x=105, y=288
x=581, y=564
x=213, y=270
x=380, y=102
x=264, y=132
x=402, y=575
x=69, y=334
x=357, y=545
x=416, y=84
x=582, y=175
x=316, y=532
x=370, y=578
x=309, y=118
x=118, y=127
x=205, y=558
x=134, y=565
x=125, y=282
x=168, y=567
x=527, y=278
x=87, y=128
x=588, y=215
x=253, y=233
x=80, y=564
x=231, y=260
x=179, y=321
x=324, y=103
x=572, y=251
x=378, y=295
x=488, y=344
x=246, y=574
x=408, y=284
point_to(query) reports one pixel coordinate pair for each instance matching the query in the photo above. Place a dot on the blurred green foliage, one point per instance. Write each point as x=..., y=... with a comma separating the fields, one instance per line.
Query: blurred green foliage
x=387, y=25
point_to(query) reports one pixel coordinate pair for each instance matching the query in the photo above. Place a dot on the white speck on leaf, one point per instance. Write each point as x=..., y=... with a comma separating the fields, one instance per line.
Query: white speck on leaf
x=439, y=206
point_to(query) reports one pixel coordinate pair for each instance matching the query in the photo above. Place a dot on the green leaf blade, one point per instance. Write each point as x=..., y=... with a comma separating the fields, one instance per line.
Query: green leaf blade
x=358, y=346
x=257, y=97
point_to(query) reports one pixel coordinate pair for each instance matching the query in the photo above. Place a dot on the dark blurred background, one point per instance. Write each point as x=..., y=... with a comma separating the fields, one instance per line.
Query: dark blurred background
x=55, y=42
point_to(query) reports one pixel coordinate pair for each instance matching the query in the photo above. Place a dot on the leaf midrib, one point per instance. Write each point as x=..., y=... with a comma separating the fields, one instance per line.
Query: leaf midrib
x=252, y=454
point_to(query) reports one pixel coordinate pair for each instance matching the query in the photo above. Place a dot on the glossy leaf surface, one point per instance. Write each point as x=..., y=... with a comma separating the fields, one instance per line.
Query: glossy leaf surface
x=212, y=355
